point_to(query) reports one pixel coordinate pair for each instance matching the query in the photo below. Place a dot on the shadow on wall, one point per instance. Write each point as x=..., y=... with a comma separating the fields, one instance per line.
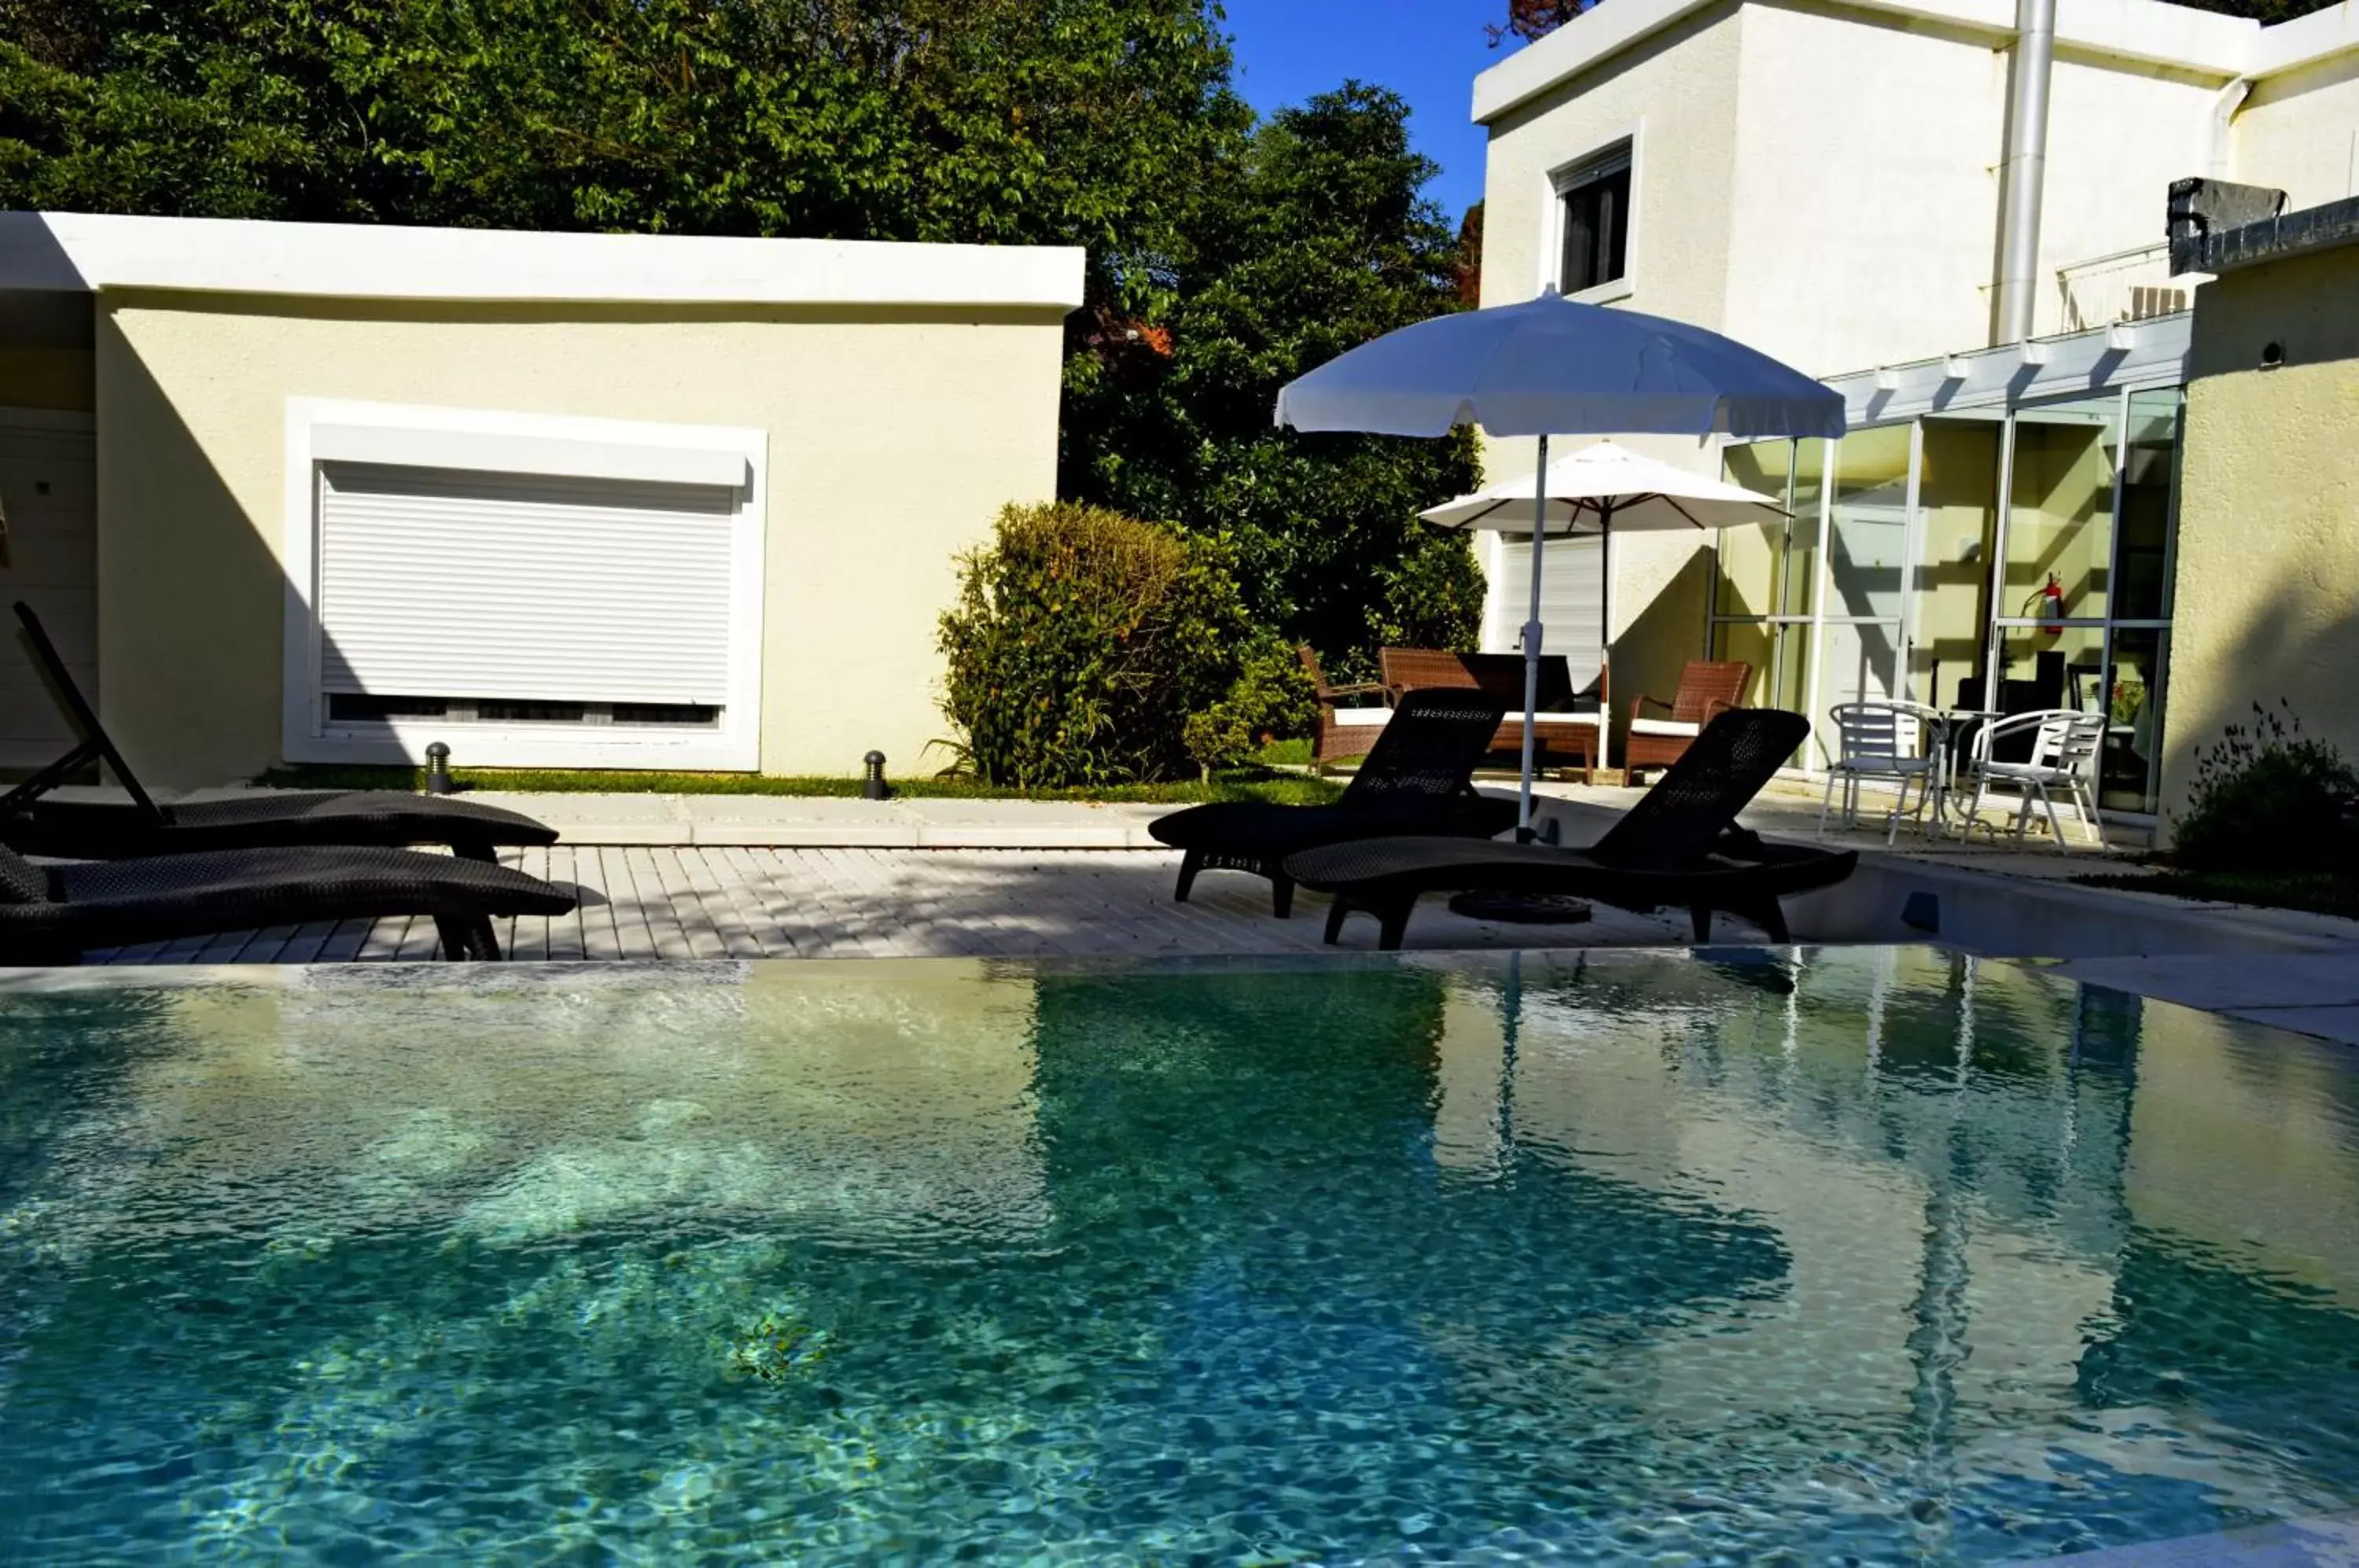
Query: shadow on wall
x=192, y=601
x=1656, y=647
x=2266, y=650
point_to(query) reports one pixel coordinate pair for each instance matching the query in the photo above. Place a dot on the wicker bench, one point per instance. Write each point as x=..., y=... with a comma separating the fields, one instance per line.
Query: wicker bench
x=1344, y=728
x=1568, y=727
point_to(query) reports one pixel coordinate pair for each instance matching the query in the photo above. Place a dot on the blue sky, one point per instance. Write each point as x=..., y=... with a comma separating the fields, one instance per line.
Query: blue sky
x=1426, y=51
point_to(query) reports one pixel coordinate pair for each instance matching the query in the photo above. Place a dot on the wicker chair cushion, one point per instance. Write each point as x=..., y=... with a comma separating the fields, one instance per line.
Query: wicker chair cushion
x=1664, y=727
x=1591, y=719
x=1368, y=717
x=21, y=881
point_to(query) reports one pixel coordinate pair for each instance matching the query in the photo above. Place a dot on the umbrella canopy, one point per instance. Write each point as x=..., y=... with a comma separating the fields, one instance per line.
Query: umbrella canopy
x=1551, y=367
x=1608, y=485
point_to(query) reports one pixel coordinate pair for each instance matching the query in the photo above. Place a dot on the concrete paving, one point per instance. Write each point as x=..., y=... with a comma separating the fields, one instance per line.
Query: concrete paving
x=843, y=867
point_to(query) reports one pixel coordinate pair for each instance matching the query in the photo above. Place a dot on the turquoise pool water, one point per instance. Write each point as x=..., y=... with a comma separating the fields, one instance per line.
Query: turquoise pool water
x=1864, y=1255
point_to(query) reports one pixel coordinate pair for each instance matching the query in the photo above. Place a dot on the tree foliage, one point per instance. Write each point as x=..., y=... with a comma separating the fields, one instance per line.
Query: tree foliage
x=1224, y=258
x=1315, y=241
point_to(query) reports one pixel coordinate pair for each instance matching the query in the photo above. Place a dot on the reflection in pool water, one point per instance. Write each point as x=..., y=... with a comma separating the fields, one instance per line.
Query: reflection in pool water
x=1884, y=1254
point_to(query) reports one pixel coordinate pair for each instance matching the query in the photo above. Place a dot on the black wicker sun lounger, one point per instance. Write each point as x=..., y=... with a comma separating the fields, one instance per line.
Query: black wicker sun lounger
x=1677, y=847
x=54, y=914
x=1413, y=781
x=73, y=830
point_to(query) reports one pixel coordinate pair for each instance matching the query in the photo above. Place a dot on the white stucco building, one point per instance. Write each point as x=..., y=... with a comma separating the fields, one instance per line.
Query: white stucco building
x=332, y=493
x=1831, y=183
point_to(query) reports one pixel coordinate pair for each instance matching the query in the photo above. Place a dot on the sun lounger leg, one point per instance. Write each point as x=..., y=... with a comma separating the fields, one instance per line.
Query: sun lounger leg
x=1393, y=923
x=1282, y=893
x=1336, y=913
x=468, y=939
x=1771, y=920
x=1191, y=863
x=1702, y=919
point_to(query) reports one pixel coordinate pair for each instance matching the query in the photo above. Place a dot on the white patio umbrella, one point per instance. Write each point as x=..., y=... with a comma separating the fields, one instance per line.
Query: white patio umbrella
x=1551, y=367
x=1601, y=490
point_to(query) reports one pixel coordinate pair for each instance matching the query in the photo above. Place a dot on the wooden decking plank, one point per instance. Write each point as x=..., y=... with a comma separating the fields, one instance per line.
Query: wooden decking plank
x=854, y=906
x=344, y=944
x=699, y=922
x=781, y=920
x=565, y=932
x=595, y=913
x=305, y=945
x=642, y=917
x=726, y=901
x=670, y=925
x=420, y=942
x=384, y=939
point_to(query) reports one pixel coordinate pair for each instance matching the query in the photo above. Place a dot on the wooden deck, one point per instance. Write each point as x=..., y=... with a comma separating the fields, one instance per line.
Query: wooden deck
x=689, y=902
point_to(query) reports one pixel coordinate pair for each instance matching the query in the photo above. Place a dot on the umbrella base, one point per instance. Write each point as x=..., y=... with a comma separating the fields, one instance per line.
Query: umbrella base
x=1520, y=908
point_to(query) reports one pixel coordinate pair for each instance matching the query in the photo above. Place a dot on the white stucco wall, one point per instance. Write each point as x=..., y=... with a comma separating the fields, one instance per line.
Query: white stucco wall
x=1854, y=222
x=1861, y=234
x=2299, y=132
x=894, y=441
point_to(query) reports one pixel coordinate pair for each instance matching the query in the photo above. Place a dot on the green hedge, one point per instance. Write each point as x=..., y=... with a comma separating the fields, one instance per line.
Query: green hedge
x=1083, y=644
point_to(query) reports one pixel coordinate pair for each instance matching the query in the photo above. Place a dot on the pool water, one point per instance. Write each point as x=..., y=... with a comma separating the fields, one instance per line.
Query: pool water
x=1870, y=1256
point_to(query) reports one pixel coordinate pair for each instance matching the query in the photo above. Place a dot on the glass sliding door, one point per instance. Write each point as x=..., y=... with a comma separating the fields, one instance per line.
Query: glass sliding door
x=2013, y=558
x=1863, y=619
x=1957, y=509
x=2085, y=614
x=1766, y=577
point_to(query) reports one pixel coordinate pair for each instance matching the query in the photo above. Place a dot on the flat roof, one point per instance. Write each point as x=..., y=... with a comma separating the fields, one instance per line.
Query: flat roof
x=2146, y=32
x=2325, y=227
x=85, y=252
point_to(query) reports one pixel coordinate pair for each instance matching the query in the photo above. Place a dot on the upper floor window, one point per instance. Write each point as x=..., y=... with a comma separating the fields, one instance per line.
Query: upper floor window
x=1594, y=202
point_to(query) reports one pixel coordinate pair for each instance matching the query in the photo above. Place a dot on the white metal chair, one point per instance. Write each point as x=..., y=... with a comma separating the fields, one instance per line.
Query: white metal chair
x=2064, y=750
x=1878, y=740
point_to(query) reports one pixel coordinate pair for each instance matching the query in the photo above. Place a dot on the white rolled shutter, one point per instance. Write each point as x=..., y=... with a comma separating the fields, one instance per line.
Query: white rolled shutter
x=447, y=582
x=1571, y=617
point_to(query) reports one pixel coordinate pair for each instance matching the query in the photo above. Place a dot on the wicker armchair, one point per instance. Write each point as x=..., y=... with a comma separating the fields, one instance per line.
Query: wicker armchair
x=1567, y=730
x=1708, y=687
x=1339, y=731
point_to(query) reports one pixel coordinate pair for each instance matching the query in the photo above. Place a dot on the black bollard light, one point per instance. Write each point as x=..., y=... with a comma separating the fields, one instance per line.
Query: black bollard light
x=438, y=769
x=874, y=787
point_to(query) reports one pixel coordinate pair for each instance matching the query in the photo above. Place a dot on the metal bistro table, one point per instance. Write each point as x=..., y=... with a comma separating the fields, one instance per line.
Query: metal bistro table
x=1951, y=730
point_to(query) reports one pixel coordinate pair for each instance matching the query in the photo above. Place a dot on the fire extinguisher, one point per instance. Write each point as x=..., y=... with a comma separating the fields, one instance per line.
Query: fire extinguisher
x=2047, y=607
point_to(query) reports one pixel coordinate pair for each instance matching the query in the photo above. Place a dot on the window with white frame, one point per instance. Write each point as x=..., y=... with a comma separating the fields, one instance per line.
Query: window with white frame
x=1593, y=220
x=534, y=591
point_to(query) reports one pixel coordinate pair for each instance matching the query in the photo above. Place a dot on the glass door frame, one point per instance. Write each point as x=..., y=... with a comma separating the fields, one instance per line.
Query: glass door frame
x=1996, y=627
x=2106, y=626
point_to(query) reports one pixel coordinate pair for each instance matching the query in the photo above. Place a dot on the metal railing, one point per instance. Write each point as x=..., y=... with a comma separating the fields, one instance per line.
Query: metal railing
x=2127, y=286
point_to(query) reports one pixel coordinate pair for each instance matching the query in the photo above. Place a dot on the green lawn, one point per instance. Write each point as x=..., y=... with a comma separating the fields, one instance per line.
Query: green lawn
x=1237, y=784
x=2320, y=893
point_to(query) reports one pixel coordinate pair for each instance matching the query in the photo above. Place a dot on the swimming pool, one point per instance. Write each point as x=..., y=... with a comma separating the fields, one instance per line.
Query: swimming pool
x=1879, y=1254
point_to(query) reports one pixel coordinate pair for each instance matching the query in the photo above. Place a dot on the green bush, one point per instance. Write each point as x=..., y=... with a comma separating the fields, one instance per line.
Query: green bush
x=2269, y=798
x=1082, y=643
x=1271, y=697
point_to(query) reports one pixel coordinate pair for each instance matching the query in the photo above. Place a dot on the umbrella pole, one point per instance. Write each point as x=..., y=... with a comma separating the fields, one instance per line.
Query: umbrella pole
x=1532, y=645
x=1605, y=637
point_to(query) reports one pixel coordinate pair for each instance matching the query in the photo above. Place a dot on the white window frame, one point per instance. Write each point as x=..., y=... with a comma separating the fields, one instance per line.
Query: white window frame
x=327, y=431
x=1563, y=177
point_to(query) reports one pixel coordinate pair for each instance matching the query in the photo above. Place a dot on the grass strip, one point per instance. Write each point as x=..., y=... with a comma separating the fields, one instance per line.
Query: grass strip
x=2317, y=893
x=1237, y=784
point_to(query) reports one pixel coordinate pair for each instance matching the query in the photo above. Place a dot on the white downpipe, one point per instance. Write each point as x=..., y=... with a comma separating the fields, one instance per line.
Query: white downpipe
x=1532, y=645
x=2023, y=176
x=2225, y=104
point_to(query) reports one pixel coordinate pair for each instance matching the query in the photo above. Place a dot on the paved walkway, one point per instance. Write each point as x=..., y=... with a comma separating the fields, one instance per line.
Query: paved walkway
x=752, y=876
x=666, y=902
